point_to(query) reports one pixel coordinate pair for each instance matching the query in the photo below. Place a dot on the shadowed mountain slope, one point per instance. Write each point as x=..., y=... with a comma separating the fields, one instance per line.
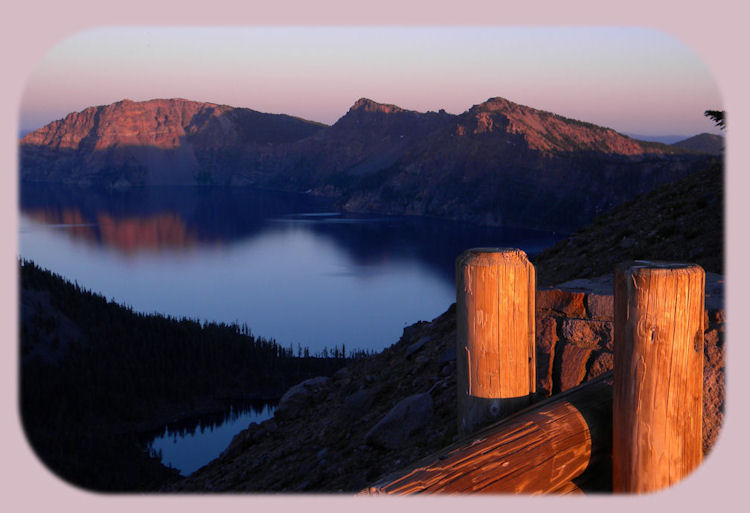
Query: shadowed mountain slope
x=683, y=221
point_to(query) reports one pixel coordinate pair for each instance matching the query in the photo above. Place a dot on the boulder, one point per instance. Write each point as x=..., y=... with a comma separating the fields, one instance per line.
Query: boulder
x=564, y=302
x=601, y=362
x=449, y=355
x=361, y=400
x=601, y=306
x=299, y=395
x=546, y=340
x=571, y=366
x=588, y=334
x=409, y=415
x=416, y=346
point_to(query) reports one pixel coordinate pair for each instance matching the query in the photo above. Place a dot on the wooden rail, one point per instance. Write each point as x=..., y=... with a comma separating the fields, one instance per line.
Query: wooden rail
x=540, y=449
x=646, y=415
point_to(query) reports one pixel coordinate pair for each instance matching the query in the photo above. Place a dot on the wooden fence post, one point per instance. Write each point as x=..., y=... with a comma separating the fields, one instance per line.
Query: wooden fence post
x=658, y=374
x=495, y=293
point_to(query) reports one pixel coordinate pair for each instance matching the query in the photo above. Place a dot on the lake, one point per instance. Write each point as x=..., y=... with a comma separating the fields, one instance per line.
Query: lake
x=289, y=265
x=286, y=264
x=190, y=445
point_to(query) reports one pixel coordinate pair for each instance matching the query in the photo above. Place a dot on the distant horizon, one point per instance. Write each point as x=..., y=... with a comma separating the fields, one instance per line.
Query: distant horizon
x=633, y=80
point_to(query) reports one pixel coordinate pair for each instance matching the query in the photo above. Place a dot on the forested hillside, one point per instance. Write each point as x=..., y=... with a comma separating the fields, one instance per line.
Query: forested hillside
x=94, y=374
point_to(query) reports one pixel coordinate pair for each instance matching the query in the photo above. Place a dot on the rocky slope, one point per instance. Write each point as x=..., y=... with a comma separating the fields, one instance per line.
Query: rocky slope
x=678, y=222
x=497, y=163
x=377, y=415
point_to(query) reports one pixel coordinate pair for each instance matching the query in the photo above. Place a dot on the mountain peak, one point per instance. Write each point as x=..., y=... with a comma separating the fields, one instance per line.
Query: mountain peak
x=368, y=105
x=550, y=132
x=496, y=104
x=162, y=102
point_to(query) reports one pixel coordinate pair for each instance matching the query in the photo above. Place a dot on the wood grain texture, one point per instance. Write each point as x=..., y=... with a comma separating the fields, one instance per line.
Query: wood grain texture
x=541, y=449
x=495, y=294
x=658, y=372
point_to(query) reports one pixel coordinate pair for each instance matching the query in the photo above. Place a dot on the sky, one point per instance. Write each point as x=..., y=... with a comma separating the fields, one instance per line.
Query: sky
x=635, y=80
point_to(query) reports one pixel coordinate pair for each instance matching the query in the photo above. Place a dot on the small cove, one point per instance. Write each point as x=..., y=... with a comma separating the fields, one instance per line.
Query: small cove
x=189, y=445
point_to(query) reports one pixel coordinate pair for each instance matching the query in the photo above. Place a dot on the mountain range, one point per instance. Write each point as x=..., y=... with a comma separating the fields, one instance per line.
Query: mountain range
x=498, y=163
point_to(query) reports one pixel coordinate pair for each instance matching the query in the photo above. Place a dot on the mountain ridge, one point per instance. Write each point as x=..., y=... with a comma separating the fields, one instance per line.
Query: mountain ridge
x=498, y=163
x=369, y=105
x=191, y=115
x=547, y=131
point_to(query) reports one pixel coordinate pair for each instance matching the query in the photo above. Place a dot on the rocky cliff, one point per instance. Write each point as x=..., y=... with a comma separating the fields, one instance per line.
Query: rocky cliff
x=497, y=163
x=155, y=142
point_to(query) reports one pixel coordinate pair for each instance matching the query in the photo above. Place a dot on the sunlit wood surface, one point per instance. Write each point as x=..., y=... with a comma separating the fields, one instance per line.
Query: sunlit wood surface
x=495, y=294
x=541, y=449
x=658, y=370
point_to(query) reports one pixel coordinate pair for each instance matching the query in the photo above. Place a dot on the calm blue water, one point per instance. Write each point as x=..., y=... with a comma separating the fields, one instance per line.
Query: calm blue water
x=285, y=264
x=290, y=266
x=189, y=448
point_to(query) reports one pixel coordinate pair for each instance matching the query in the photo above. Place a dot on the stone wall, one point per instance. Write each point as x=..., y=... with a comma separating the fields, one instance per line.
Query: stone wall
x=574, y=342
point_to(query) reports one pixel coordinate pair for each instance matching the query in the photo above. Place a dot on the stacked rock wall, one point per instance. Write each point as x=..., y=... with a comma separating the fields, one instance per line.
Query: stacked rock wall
x=574, y=343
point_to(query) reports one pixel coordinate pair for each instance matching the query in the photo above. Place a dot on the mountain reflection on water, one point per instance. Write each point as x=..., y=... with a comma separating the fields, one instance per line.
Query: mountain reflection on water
x=289, y=265
x=129, y=235
x=159, y=218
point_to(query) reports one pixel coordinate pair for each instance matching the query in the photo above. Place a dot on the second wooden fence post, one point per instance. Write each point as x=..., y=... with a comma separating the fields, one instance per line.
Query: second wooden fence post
x=496, y=371
x=658, y=374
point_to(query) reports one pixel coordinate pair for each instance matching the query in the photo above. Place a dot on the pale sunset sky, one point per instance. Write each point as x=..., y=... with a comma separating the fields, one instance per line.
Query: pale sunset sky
x=635, y=80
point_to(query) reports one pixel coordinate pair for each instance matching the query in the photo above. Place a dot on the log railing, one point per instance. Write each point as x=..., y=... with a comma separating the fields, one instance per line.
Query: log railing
x=654, y=393
x=541, y=449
